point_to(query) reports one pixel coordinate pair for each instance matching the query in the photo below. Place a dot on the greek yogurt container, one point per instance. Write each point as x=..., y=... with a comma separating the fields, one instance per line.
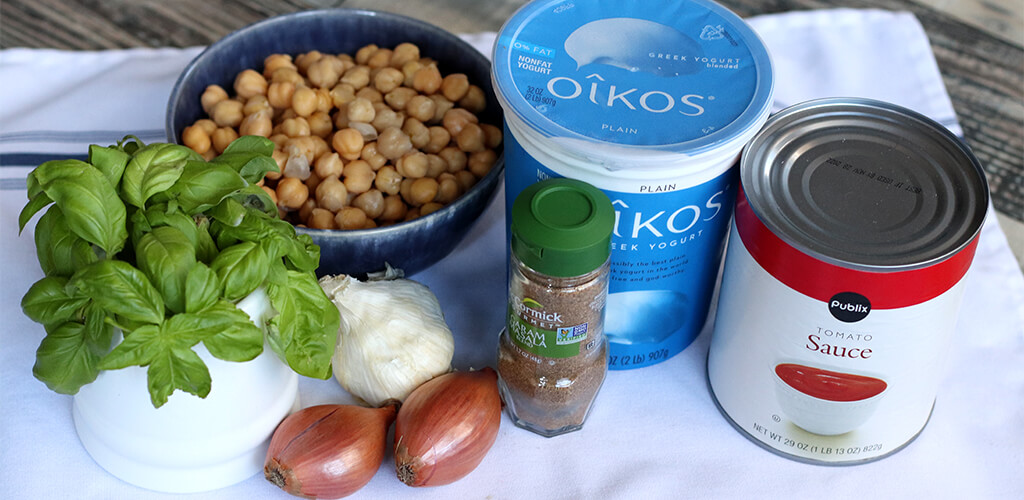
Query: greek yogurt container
x=651, y=102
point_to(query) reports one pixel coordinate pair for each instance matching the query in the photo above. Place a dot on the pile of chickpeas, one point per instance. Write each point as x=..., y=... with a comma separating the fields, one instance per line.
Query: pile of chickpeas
x=361, y=141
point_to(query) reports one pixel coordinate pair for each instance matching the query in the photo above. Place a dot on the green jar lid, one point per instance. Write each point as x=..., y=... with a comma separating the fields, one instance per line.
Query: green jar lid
x=562, y=227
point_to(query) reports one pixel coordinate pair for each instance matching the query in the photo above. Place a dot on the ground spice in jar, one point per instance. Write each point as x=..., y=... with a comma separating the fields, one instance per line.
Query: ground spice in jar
x=552, y=355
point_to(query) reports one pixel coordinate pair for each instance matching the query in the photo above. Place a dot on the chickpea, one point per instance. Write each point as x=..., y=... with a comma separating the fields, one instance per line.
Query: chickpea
x=357, y=76
x=481, y=162
x=423, y=190
x=399, y=97
x=387, y=117
x=285, y=114
x=427, y=79
x=271, y=193
x=291, y=193
x=249, y=83
x=409, y=69
x=211, y=96
x=393, y=143
x=380, y=59
x=227, y=113
x=436, y=166
x=412, y=213
x=258, y=123
x=304, y=101
x=304, y=61
x=290, y=75
x=328, y=165
x=364, y=53
x=321, y=219
x=196, y=138
x=388, y=79
x=394, y=208
x=492, y=135
x=342, y=93
x=456, y=118
x=475, y=101
x=421, y=107
x=360, y=110
x=371, y=202
x=455, y=157
x=405, y=190
x=439, y=138
x=324, y=101
x=455, y=86
x=418, y=133
x=331, y=194
x=447, y=189
x=281, y=158
x=256, y=103
x=279, y=94
x=312, y=181
x=320, y=124
x=348, y=142
x=388, y=180
x=295, y=127
x=279, y=140
x=350, y=218
x=210, y=154
x=370, y=155
x=370, y=94
x=341, y=117
x=325, y=72
x=303, y=146
x=413, y=165
x=403, y=53
x=222, y=137
x=305, y=210
x=471, y=139
x=358, y=176
x=466, y=179
x=274, y=61
x=429, y=208
x=320, y=146
x=441, y=106
x=206, y=125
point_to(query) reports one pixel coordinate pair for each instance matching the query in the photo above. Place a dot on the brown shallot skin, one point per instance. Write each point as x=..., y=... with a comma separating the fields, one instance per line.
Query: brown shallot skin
x=328, y=451
x=446, y=427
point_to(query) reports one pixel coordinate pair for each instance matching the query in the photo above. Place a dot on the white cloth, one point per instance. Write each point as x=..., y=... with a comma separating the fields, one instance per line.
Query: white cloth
x=654, y=432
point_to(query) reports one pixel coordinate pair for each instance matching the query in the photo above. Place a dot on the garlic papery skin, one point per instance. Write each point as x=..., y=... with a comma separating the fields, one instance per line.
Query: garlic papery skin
x=392, y=337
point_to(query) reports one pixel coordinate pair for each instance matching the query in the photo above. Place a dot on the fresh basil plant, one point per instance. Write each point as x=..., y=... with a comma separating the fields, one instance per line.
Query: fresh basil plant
x=157, y=242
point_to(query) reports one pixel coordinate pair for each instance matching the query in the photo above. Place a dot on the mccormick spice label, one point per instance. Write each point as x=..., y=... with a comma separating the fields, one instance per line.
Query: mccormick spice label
x=843, y=278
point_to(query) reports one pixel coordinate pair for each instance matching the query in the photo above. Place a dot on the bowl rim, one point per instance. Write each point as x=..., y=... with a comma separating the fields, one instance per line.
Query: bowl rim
x=487, y=182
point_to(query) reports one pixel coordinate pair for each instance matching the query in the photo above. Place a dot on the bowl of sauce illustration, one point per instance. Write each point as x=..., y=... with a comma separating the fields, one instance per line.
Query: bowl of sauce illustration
x=826, y=402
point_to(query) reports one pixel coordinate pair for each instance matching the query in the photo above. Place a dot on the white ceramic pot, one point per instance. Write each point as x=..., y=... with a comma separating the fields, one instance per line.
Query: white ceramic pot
x=189, y=444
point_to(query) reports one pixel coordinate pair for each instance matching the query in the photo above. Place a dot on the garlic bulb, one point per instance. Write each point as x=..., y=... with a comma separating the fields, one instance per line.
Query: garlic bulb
x=392, y=337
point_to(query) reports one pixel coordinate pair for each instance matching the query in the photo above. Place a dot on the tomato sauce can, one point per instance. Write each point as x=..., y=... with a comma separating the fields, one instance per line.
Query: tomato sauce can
x=855, y=225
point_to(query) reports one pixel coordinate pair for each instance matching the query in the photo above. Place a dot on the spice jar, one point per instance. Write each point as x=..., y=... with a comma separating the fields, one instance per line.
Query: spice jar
x=552, y=354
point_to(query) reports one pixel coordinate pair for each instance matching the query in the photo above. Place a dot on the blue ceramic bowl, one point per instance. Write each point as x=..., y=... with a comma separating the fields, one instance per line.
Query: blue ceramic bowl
x=410, y=246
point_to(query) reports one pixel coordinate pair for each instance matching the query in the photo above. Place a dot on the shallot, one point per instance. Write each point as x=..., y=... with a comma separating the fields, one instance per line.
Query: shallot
x=446, y=427
x=328, y=451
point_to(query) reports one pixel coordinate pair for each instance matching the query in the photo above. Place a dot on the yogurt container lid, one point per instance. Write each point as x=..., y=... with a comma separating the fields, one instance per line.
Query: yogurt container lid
x=634, y=78
x=864, y=184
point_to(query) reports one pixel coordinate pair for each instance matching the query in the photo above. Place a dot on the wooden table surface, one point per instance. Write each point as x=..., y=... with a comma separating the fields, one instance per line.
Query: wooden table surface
x=980, y=53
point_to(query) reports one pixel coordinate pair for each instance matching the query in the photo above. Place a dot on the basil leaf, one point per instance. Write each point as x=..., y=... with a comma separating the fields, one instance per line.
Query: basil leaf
x=34, y=205
x=250, y=144
x=90, y=204
x=241, y=268
x=153, y=169
x=166, y=256
x=47, y=302
x=202, y=288
x=206, y=248
x=136, y=349
x=109, y=160
x=255, y=198
x=239, y=339
x=68, y=357
x=305, y=329
x=178, y=368
x=121, y=289
x=228, y=212
x=60, y=252
x=203, y=185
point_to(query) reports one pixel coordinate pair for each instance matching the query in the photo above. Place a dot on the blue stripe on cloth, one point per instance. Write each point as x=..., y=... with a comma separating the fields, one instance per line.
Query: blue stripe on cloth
x=34, y=159
x=12, y=184
x=106, y=137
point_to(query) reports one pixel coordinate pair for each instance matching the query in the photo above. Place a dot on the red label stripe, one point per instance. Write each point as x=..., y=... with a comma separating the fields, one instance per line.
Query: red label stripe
x=822, y=280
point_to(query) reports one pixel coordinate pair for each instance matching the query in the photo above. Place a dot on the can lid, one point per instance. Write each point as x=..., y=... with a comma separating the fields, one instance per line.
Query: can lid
x=634, y=80
x=562, y=227
x=864, y=184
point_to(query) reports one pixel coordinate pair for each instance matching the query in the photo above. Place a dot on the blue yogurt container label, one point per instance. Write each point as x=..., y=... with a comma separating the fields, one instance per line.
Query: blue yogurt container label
x=651, y=102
